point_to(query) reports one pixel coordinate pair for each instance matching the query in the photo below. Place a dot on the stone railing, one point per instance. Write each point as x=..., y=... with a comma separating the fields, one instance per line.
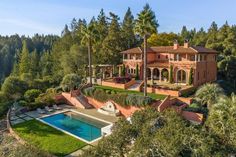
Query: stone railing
x=119, y=85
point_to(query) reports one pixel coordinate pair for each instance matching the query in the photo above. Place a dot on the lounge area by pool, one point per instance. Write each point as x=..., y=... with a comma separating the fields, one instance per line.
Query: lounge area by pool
x=76, y=124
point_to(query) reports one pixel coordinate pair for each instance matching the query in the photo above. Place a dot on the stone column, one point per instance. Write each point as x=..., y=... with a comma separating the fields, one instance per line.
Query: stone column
x=119, y=71
x=160, y=77
x=94, y=71
x=111, y=73
x=103, y=74
x=152, y=75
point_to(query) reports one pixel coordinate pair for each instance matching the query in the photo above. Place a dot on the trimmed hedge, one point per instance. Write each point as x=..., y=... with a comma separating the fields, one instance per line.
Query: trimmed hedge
x=194, y=107
x=89, y=91
x=188, y=93
x=120, y=98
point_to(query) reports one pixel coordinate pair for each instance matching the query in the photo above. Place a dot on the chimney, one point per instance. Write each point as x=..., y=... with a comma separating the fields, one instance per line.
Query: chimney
x=186, y=43
x=176, y=44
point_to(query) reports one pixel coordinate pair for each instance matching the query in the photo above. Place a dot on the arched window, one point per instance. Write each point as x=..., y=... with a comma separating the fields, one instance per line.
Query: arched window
x=181, y=76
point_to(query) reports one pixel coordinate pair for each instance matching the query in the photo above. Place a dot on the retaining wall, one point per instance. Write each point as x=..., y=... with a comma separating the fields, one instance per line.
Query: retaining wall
x=126, y=111
x=118, y=85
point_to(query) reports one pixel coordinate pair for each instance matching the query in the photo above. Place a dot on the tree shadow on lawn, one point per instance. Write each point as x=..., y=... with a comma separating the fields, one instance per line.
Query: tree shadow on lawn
x=35, y=132
x=37, y=128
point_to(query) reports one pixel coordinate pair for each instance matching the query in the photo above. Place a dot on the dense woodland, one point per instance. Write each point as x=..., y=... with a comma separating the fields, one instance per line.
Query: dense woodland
x=53, y=56
x=32, y=68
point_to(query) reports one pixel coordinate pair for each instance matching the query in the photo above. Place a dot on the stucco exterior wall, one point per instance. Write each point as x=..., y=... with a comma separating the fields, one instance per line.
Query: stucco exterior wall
x=125, y=111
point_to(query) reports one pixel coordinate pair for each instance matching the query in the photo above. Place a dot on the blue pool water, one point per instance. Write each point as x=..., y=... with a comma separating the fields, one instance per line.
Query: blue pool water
x=81, y=126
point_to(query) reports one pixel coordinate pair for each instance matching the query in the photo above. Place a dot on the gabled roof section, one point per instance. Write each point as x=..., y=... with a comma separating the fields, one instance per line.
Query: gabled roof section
x=170, y=49
x=136, y=50
x=201, y=49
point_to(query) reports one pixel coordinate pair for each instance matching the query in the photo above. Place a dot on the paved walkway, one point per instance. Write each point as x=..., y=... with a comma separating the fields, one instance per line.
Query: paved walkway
x=135, y=87
x=93, y=112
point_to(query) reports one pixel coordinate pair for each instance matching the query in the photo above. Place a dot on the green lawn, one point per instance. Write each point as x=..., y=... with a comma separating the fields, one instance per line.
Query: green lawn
x=152, y=95
x=47, y=138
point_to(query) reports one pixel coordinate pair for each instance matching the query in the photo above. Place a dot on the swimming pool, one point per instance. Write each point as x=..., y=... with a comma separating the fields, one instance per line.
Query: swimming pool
x=81, y=126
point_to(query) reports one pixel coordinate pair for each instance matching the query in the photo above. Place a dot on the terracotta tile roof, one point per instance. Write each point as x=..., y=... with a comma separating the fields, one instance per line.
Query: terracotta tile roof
x=169, y=49
x=135, y=50
x=159, y=64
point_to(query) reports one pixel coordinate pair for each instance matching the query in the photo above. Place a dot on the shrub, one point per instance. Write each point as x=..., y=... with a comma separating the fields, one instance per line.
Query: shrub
x=41, y=84
x=171, y=78
x=2, y=97
x=101, y=95
x=47, y=98
x=89, y=91
x=120, y=99
x=14, y=87
x=188, y=93
x=137, y=73
x=113, y=92
x=190, y=81
x=138, y=100
x=165, y=74
x=121, y=79
x=195, y=107
x=35, y=105
x=108, y=91
x=4, y=107
x=31, y=94
x=22, y=103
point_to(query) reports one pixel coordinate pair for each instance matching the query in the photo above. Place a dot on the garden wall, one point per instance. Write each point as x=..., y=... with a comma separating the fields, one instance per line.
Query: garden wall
x=126, y=111
x=187, y=90
x=192, y=116
x=185, y=100
x=72, y=100
x=162, y=91
x=118, y=85
x=164, y=104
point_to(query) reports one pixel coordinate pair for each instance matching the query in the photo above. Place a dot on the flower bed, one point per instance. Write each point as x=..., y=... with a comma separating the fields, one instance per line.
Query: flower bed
x=122, y=80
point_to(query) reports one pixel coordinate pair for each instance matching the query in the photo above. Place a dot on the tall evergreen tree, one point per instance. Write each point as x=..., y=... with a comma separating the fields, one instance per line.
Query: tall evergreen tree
x=184, y=33
x=24, y=64
x=34, y=63
x=128, y=30
x=199, y=38
x=212, y=36
x=102, y=25
x=112, y=44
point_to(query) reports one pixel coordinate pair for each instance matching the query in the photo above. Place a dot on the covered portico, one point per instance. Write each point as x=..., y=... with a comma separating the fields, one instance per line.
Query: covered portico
x=158, y=72
x=105, y=70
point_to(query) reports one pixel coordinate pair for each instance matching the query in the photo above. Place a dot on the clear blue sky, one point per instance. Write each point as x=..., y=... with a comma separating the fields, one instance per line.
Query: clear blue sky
x=49, y=16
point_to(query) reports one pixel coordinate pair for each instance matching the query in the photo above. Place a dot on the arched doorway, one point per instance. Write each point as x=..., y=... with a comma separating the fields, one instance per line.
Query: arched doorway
x=164, y=75
x=156, y=74
x=148, y=73
x=181, y=76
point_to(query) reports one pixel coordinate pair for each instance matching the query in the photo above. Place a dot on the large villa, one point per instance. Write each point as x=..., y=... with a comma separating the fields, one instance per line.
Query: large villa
x=88, y=113
x=182, y=59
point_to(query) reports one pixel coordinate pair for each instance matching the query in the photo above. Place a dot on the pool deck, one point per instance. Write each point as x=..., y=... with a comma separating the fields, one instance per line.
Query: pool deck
x=15, y=119
x=94, y=113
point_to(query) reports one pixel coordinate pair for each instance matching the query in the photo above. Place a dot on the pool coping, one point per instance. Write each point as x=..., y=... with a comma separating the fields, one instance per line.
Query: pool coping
x=66, y=132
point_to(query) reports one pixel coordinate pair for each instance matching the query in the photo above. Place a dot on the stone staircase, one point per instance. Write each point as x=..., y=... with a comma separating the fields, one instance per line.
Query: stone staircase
x=84, y=101
x=135, y=87
x=77, y=100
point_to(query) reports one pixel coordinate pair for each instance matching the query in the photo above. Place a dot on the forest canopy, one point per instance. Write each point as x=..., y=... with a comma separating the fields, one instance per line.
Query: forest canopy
x=52, y=57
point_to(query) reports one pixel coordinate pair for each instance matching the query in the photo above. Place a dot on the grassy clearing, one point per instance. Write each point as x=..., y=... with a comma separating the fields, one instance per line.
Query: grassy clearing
x=47, y=138
x=152, y=95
